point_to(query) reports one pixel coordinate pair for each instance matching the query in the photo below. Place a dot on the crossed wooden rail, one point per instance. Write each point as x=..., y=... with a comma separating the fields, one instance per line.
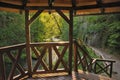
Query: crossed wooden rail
x=42, y=51
x=83, y=59
x=13, y=53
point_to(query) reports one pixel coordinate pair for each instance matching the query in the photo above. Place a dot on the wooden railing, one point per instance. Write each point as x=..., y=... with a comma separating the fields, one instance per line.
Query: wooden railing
x=55, y=52
x=83, y=59
x=47, y=58
x=10, y=58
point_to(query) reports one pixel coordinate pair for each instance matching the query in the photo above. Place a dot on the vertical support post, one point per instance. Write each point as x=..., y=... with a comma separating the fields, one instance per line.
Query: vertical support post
x=111, y=66
x=50, y=58
x=95, y=67
x=28, y=53
x=2, y=68
x=70, y=41
x=75, y=57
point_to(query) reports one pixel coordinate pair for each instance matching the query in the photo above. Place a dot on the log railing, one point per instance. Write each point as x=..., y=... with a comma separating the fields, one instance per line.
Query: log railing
x=48, y=58
x=82, y=58
x=10, y=58
x=50, y=50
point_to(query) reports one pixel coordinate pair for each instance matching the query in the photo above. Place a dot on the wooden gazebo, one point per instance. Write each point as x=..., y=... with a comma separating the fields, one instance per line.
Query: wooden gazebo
x=73, y=8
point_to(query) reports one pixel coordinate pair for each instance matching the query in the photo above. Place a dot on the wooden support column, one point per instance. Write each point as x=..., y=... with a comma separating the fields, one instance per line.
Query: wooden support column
x=70, y=41
x=75, y=56
x=28, y=40
x=2, y=68
x=70, y=22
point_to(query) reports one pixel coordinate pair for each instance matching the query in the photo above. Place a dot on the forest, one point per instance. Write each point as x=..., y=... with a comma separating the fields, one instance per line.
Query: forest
x=102, y=31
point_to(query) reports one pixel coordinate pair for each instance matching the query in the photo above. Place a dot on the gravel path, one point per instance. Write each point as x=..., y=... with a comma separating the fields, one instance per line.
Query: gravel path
x=116, y=66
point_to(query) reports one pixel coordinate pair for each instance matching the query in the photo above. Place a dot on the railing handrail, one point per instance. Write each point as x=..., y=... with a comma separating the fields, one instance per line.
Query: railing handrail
x=13, y=47
x=44, y=43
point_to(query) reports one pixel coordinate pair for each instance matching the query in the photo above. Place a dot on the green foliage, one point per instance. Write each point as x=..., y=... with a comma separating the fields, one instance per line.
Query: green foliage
x=114, y=36
x=11, y=28
x=37, y=31
x=49, y=24
x=108, y=29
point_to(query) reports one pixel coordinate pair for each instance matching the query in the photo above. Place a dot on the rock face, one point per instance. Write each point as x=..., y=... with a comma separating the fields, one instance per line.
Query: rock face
x=94, y=40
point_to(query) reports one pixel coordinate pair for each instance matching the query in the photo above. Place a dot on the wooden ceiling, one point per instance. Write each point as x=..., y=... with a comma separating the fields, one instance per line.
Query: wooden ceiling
x=80, y=7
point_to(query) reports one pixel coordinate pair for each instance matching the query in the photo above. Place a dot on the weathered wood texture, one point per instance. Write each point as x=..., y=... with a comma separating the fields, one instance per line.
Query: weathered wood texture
x=28, y=41
x=80, y=75
x=43, y=49
x=13, y=54
x=44, y=62
x=81, y=57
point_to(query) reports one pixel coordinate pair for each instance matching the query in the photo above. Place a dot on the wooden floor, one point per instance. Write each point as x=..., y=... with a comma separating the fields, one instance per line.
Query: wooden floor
x=75, y=76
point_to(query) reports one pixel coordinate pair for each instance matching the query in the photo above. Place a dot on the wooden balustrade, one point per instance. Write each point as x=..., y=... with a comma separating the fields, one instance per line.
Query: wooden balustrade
x=43, y=60
x=43, y=63
x=49, y=49
x=10, y=56
x=82, y=58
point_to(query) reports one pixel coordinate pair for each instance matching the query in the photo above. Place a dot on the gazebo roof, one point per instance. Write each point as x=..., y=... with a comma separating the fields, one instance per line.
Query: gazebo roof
x=80, y=7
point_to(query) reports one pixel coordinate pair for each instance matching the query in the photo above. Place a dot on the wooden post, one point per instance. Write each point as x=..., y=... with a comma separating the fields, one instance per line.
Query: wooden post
x=75, y=57
x=2, y=68
x=50, y=58
x=111, y=64
x=28, y=40
x=70, y=41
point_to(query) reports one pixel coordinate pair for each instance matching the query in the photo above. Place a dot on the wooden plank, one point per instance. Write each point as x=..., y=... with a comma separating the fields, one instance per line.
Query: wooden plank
x=47, y=7
x=105, y=60
x=35, y=51
x=75, y=58
x=50, y=58
x=41, y=61
x=21, y=77
x=8, y=5
x=60, y=57
x=35, y=16
x=2, y=68
x=100, y=2
x=70, y=40
x=53, y=71
x=13, y=47
x=28, y=40
x=24, y=3
x=63, y=16
x=20, y=68
x=39, y=44
x=111, y=67
x=104, y=5
x=73, y=3
x=14, y=65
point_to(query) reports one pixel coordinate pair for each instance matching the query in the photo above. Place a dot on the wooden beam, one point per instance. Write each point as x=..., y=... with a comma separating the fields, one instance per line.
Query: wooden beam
x=24, y=3
x=47, y=7
x=94, y=14
x=28, y=40
x=2, y=68
x=104, y=5
x=8, y=5
x=75, y=57
x=73, y=3
x=99, y=2
x=63, y=16
x=70, y=41
x=35, y=16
